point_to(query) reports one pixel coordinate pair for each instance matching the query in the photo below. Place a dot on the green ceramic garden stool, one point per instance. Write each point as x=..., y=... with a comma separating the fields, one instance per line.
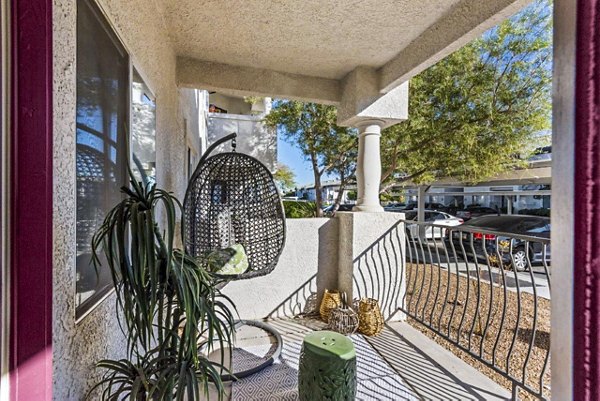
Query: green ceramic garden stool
x=327, y=368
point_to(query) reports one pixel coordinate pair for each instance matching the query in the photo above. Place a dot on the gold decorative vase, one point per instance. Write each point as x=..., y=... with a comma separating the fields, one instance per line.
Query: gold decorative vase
x=370, y=318
x=331, y=300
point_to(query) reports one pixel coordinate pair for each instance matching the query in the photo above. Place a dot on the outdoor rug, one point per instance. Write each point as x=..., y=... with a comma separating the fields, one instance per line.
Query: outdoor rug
x=376, y=379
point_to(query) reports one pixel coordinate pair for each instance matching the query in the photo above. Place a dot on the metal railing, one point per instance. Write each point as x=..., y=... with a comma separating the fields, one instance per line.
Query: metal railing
x=487, y=293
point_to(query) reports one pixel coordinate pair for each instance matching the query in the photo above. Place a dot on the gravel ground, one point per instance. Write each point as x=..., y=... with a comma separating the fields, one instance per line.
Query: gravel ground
x=426, y=282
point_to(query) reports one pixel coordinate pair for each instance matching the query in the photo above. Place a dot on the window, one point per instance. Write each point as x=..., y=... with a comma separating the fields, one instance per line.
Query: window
x=102, y=121
x=143, y=130
x=434, y=216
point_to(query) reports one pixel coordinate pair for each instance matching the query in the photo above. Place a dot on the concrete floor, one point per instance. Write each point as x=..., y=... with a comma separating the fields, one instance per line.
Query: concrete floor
x=422, y=368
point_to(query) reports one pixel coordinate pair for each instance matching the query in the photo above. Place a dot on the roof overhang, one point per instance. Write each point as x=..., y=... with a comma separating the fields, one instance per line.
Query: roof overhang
x=358, y=56
x=528, y=176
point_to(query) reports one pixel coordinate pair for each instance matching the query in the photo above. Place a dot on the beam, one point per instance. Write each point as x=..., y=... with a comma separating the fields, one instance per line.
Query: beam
x=540, y=176
x=361, y=99
x=465, y=22
x=246, y=81
x=489, y=193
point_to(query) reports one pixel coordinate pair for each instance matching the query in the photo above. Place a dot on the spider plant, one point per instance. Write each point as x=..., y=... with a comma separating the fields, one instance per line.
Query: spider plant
x=167, y=304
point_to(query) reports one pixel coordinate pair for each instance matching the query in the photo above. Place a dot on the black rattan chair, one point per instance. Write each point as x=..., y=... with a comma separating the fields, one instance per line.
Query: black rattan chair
x=231, y=199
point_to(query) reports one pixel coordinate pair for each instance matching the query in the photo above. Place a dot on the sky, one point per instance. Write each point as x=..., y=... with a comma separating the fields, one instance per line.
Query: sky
x=290, y=155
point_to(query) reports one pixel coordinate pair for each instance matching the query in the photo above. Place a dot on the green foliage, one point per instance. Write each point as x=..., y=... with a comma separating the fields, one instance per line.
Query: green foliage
x=299, y=209
x=312, y=128
x=167, y=302
x=284, y=177
x=253, y=99
x=473, y=113
x=385, y=197
x=352, y=195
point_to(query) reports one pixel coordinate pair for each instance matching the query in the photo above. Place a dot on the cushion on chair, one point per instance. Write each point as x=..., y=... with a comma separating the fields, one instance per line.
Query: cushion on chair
x=228, y=261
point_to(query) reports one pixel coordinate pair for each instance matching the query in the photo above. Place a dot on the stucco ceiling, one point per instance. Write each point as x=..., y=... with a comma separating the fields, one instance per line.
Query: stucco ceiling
x=310, y=37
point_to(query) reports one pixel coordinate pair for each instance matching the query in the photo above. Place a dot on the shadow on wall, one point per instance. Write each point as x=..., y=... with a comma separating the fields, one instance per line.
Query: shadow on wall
x=306, y=299
x=377, y=273
x=303, y=301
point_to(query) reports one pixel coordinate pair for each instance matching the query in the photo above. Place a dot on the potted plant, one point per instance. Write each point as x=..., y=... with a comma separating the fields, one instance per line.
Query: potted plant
x=167, y=301
x=257, y=104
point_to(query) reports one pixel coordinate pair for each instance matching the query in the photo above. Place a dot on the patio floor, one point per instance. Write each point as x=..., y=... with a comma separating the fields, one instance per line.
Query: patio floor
x=399, y=364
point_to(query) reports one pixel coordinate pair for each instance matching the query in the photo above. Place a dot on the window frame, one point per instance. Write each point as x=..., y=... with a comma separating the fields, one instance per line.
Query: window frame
x=85, y=308
x=134, y=68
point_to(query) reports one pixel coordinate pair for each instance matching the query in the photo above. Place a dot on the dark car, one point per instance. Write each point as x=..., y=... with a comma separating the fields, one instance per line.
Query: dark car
x=491, y=247
x=475, y=211
x=429, y=205
x=395, y=207
x=346, y=207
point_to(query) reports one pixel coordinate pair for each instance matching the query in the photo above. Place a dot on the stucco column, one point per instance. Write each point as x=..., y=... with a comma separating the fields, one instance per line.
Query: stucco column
x=368, y=169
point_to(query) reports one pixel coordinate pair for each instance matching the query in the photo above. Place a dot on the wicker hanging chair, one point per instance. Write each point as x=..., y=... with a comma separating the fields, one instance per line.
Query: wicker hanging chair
x=231, y=199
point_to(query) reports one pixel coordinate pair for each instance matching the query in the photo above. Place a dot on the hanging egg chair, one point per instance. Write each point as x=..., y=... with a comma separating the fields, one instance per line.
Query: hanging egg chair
x=232, y=201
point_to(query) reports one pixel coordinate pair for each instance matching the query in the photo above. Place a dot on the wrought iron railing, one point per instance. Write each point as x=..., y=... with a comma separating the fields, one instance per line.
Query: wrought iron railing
x=487, y=293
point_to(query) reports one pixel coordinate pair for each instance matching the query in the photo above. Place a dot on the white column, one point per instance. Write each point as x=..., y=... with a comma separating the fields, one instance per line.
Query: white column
x=421, y=211
x=421, y=204
x=368, y=169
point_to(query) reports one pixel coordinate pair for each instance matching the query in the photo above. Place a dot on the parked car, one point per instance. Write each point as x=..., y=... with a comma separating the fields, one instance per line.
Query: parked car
x=434, y=217
x=476, y=211
x=499, y=247
x=345, y=207
x=428, y=205
x=395, y=207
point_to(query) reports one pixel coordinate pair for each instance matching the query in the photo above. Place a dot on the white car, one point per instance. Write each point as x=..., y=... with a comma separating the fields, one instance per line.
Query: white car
x=433, y=217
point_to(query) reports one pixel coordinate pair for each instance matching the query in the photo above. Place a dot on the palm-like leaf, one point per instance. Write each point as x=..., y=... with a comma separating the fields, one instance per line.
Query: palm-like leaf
x=168, y=301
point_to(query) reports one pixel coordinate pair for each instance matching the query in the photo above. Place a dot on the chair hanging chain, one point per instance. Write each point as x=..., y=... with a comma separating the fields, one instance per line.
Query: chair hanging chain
x=233, y=145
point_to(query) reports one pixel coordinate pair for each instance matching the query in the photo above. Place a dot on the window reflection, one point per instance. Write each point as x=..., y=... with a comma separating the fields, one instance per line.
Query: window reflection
x=143, y=127
x=102, y=87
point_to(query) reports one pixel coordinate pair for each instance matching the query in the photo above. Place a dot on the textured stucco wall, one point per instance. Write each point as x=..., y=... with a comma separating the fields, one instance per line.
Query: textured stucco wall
x=359, y=253
x=233, y=105
x=193, y=106
x=372, y=258
x=310, y=247
x=254, y=138
x=77, y=346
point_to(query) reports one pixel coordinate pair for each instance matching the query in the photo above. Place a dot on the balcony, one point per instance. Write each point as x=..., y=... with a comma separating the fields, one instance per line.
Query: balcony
x=434, y=291
x=468, y=325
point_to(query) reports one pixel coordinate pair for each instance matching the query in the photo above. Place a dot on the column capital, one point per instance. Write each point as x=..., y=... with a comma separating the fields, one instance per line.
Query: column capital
x=364, y=123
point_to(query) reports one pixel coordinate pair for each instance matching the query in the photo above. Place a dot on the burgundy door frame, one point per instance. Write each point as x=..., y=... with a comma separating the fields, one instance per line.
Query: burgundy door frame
x=586, y=308
x=30, y=358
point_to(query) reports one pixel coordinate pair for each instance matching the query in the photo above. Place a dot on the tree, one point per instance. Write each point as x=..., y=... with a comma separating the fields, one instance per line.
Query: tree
x=312, y=128
x=472, y=114
x=284, y=178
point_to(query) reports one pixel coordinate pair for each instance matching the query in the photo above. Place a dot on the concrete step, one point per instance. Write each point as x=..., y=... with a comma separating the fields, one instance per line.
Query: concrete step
x=432, y=371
